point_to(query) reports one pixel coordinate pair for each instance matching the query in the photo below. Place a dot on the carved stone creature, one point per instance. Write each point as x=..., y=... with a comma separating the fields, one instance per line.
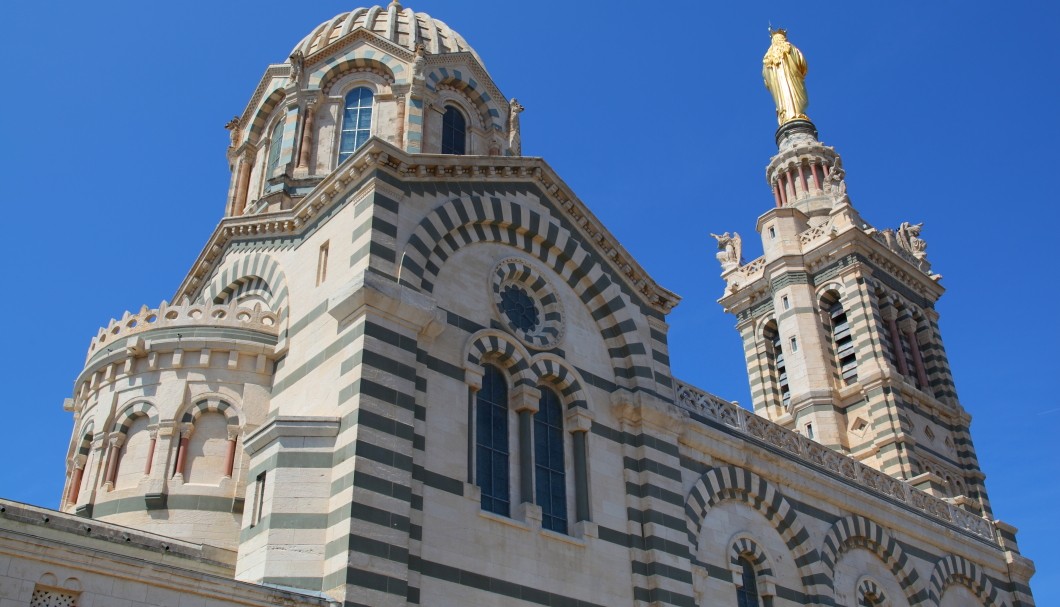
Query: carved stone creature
x=515, y=140
x=730, y=250
x=232, y=126
x=836, y=184
x=297, y=67
x=908, y=238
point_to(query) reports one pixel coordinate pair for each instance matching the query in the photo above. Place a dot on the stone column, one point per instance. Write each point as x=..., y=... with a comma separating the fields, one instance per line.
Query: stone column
x=230, y=456
x=918, y=361
x=112, y=460
x=242, y=183
x=579, y=422
x=525, y=402
x=305, y=145
x=182, y=452
x=78, y=465
x=150, y=453
x=896, y=342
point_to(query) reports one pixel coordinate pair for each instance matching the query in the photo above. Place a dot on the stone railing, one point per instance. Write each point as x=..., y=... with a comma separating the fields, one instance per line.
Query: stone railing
x=182, y=315
x=703, y=403
x=749, y=272
x=816, y=232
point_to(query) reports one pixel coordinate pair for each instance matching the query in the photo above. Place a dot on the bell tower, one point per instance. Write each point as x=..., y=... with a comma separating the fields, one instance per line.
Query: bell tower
x=838, y=318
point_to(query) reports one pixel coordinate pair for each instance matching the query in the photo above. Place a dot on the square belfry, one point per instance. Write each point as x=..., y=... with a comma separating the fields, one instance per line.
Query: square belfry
x=411, y=367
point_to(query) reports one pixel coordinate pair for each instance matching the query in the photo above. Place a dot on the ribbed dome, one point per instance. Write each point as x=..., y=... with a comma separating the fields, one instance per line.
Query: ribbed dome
x=402, y=26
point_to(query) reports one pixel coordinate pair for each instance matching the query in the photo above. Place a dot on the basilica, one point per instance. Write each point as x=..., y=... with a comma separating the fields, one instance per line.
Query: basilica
x=411, y=367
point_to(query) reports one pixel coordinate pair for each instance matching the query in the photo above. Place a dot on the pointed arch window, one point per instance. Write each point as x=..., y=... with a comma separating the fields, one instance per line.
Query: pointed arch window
x=356, y=121
x=747, y=591
x=491, y=441
x=454, y=132
x=549, y=465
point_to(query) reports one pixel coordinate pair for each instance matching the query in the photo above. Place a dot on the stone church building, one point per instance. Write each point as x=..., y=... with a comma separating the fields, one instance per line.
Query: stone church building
x=411, y=367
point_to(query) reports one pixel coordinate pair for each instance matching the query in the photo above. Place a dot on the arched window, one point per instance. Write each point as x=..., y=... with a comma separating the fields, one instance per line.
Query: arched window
x=454, y=132
x=207, y=449
x=549, y=471
x=134, y=454
x=842, y=338
x=491, y=441
x=775, y=351
x=275, y=142
x=356, y=121
x=747, y=591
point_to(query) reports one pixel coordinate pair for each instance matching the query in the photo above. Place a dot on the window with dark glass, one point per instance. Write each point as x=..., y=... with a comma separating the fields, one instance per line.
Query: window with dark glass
x=747, y=592
x=454, y=131
x=549, y=475
x=356, y=121
x=520, y=308
x=491, y=441
x=275, y=141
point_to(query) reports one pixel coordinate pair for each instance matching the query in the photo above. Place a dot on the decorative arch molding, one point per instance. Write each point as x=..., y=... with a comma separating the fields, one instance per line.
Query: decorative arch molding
x=551, y=370
x=490, y=345
x=856, y=531
x=242, y=275
x=470, y=219
x=213, y=404
x=125, y=419
x=832, y=286
x=737, y=484
x=869, y=588
x=744, y=547
x=246, y=287
x=467, y=84
x=84, y=438
x=391, y=68
x=952, y=569
x=265, y=110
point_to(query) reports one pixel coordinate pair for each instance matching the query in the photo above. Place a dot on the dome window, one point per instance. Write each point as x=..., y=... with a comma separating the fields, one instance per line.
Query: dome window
x=454, y=132
x=356, y=121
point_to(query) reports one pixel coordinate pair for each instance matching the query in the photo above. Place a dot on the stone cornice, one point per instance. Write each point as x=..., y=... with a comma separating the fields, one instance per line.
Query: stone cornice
x=377, y=154
x=276, y=70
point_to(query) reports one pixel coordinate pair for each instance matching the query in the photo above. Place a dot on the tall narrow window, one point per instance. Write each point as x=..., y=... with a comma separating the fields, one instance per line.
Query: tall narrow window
x=776, y=352
x=747, y=592
x=842, y=341
x=322, y=263
x=549, y=470
x=259, y=500
x=454, y=132
x=275, y=142
x=491, y=441
x=356, y=121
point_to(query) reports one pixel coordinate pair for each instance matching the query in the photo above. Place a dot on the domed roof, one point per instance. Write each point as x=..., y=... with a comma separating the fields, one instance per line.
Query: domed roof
x=403, y=26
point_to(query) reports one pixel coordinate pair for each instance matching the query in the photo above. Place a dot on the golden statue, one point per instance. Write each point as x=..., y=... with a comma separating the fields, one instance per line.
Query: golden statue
x=784, y=70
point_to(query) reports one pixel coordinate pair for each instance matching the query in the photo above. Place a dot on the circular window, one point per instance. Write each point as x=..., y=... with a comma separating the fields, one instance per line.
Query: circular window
x=526, y=304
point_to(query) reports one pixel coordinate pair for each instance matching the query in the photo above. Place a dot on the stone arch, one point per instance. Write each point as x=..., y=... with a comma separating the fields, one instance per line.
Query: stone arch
x=550, y=369
x=859, y=532
x=359, y=58
x=265, y=110
x=254, y=271
x=737, y=484
x=466, y=83
x=470, y=219
x=745, y=547
x=488, y=346
x=84, y=438
x=870, y=588
x=952, y=569
x=212, y=404
x=125, y=418
x=246, y=287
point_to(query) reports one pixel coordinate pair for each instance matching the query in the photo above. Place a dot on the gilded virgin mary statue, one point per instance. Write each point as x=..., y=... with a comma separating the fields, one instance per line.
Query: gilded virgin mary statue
x=784, y=70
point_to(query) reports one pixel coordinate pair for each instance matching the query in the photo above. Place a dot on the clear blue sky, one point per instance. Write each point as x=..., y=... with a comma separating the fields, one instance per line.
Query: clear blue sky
x=945, y=112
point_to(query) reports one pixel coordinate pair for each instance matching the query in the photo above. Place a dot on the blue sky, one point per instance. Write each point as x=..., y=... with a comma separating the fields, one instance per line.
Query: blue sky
x=654, y=113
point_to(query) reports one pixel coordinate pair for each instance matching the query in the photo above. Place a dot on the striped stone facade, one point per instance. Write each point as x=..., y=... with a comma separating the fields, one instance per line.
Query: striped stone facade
x=314, y=401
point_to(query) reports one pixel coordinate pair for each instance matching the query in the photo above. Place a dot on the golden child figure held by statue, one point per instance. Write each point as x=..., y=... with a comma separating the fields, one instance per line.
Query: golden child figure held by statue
x=784, y=72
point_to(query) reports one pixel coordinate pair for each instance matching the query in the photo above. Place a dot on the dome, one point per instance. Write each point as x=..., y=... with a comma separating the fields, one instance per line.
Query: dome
x=403, y=26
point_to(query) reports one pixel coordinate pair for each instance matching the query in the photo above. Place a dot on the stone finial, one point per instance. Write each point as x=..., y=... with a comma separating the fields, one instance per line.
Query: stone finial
x=232, y=126
x=297, y=66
